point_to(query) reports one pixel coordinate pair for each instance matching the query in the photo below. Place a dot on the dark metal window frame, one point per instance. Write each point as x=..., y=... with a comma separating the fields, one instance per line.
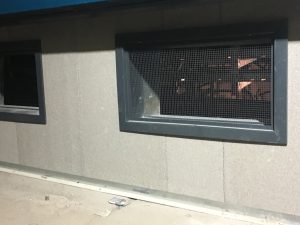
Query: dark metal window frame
x=206, y=128
x=26, y=47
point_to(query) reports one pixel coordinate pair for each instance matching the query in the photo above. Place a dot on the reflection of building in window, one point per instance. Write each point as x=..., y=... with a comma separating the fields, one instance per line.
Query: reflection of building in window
x=219, y=82
x=250, y=89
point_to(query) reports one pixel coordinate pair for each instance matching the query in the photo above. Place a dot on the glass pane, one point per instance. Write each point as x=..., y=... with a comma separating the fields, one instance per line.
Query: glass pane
x=229, y=82
x=18, y=84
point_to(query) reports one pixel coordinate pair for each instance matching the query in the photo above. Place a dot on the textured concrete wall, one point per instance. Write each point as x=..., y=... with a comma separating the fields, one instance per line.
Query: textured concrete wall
x=82, y=136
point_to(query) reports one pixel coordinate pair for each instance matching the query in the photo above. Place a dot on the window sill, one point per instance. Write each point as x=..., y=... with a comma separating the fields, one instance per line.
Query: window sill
x=22, y=114
x=221, y=133
x=20, y=110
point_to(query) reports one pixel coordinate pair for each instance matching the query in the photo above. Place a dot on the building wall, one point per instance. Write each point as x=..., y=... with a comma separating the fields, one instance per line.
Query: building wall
x=82, y=134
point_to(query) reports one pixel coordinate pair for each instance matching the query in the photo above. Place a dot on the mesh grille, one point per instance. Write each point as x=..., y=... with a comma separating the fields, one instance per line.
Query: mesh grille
x=229, y=82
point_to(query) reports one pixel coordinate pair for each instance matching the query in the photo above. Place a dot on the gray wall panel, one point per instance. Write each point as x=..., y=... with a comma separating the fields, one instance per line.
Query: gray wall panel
x=82, y=134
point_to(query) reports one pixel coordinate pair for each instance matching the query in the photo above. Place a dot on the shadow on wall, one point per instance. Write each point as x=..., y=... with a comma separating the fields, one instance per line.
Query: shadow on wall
x=96, y=31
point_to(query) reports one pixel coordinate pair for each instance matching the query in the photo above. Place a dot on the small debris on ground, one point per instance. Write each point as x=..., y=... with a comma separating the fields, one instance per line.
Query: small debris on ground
x=47, y=198
x=119, y=201
x=104, y=213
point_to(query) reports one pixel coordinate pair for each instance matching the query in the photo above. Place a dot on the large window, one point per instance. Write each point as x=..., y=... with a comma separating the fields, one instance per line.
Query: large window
x=21, y=83
x=208, y=83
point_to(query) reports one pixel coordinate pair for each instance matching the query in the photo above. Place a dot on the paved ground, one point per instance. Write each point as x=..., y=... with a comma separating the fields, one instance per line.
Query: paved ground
x=27, y=201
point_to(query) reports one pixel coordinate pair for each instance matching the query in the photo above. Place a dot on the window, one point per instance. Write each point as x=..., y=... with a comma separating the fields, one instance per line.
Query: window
x=21, y=82
x=224, y=83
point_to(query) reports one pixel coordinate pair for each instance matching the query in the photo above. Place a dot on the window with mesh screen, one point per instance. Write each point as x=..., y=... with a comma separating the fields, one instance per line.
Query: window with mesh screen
x=21, y=84
x=221, y=82
x=226, y=83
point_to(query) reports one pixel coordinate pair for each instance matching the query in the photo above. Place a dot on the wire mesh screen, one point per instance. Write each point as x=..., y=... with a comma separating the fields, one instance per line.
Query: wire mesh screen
x=228, y=82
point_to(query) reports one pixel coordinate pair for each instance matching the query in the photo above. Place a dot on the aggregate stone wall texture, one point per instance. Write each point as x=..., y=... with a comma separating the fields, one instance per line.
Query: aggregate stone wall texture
x=82, y=134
